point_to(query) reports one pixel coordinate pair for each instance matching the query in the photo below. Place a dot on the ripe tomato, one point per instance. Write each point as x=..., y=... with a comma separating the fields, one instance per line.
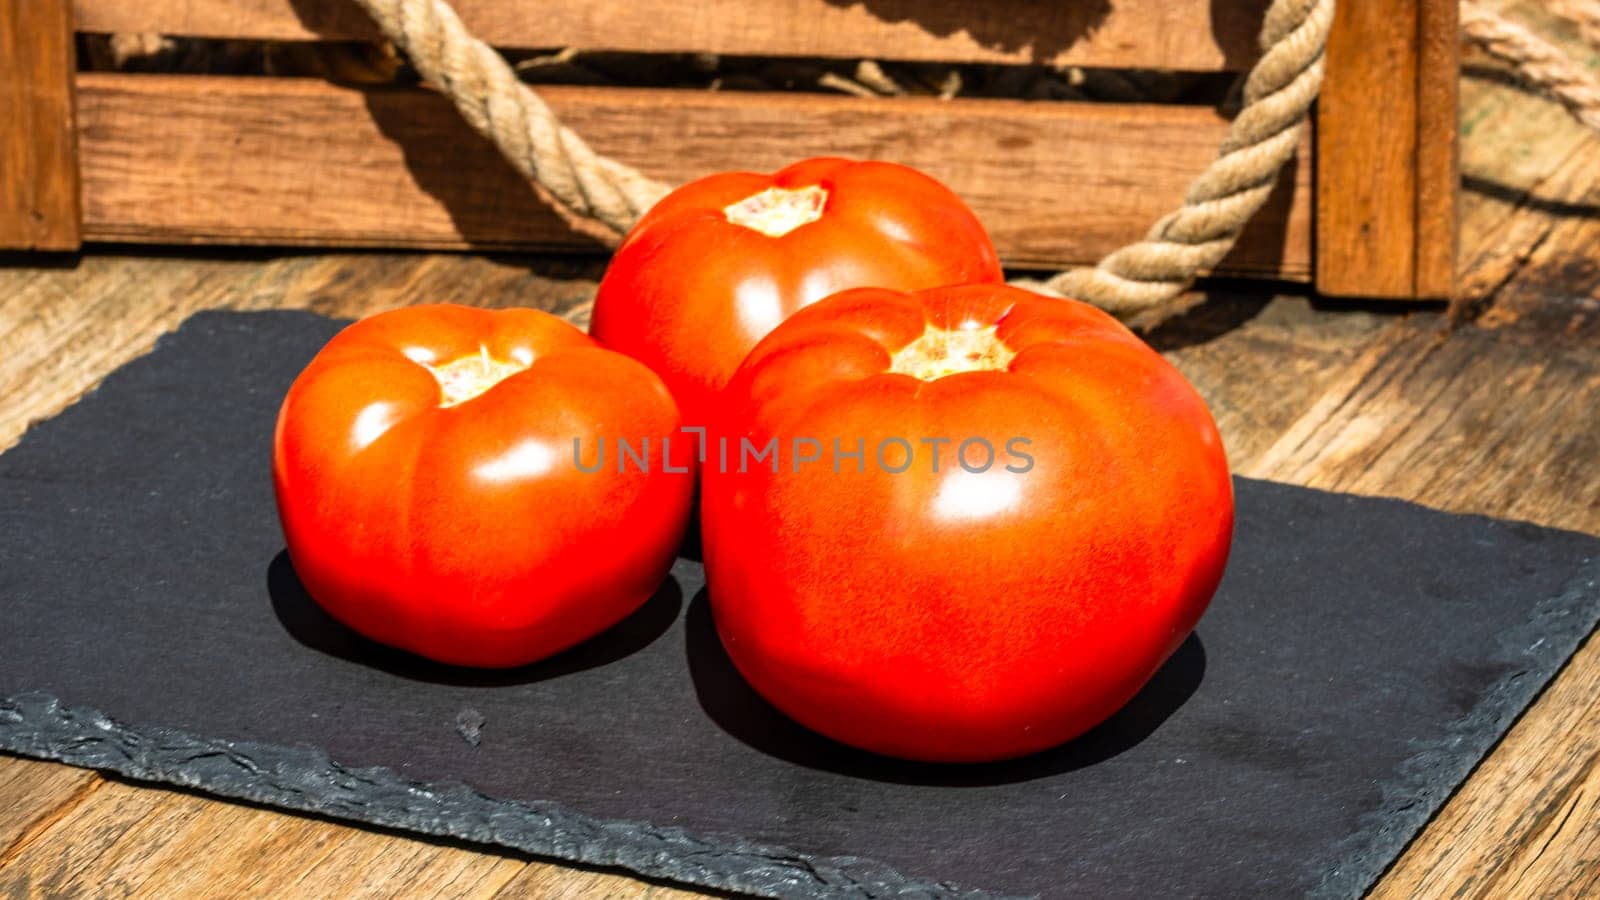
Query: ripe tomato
x=429, y=488
x=1038, y=515
x=720, y=262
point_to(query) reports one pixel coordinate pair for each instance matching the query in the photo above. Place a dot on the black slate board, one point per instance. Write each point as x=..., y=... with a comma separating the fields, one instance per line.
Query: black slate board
x=1359, y=659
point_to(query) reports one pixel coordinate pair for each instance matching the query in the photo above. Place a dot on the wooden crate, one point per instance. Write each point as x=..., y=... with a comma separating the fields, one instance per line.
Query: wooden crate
x=1366, y=209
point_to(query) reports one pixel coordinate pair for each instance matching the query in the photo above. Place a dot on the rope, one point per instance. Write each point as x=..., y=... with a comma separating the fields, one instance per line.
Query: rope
x=597, y=196
x=603, y=198
x=1535, y=60
x=1277, y=98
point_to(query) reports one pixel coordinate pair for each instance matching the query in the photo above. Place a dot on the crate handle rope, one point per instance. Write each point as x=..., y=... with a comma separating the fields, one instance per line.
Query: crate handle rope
x=602, y=198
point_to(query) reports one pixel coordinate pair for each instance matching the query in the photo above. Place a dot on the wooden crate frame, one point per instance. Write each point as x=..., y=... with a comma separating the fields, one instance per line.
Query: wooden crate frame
x=1366, y=209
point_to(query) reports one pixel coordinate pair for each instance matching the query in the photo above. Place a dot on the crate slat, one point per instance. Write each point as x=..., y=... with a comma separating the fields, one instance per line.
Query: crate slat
x=203, y=159
x=1438, y=147
x=38, y=160
x=1200, y=35
x=1387, y=146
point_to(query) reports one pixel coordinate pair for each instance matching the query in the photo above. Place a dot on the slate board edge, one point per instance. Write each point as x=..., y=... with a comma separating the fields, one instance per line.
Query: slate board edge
x=36, y=724
x=1428, y=778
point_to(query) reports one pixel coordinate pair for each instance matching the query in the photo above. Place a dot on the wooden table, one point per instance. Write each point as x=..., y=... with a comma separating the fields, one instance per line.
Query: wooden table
x=1500, y=416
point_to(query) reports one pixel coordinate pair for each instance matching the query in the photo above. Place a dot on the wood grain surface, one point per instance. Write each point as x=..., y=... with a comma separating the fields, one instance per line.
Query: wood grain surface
x=1438, y=161
x=38, y=158
x=1496, y=416
x=1161, y=34
x=1386, y=151
x=225, y=160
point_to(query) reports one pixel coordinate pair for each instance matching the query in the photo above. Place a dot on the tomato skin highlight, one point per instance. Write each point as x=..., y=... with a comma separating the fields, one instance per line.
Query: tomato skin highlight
x=689, y=292
x=955, y=616
x=466, y=533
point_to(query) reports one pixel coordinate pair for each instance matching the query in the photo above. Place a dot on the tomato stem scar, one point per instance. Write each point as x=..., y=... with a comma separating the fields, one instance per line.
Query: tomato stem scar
x=466, y=377
x=777, y=211
x=950, y=351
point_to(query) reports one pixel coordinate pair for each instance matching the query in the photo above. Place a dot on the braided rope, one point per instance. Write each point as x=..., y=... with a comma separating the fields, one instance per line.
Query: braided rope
x=597, y=196
x=1277, y=98
x=1535, y=60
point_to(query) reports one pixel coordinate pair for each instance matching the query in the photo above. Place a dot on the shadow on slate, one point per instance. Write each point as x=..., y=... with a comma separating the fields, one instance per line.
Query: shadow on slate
x=1359, y=659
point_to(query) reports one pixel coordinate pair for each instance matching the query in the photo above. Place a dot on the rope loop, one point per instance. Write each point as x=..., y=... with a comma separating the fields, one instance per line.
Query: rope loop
x=602, y=198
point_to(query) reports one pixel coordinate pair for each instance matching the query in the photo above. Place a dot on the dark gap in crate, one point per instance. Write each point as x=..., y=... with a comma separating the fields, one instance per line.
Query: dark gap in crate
x=355, y=62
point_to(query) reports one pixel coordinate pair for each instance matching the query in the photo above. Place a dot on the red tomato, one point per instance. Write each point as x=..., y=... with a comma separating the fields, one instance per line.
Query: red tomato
x=944, y=601
x=430, y=493
x=720, y=262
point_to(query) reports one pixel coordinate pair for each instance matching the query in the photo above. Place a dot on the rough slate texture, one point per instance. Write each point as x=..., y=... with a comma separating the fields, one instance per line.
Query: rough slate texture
x=1361, y=656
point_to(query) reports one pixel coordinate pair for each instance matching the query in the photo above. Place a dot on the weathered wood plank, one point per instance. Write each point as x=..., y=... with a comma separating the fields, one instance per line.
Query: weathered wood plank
x=129, y=841
x=67, y=328
x=1516, y=190
x=1526, y=164
x=1438, y=147
x=38, y=158
x=71, y=858
x=1366, y=206
x=36, y=795
x=1260, y=365
x=1472, y=421
x=1159, y=34
x=554, y=882
x=286, y=161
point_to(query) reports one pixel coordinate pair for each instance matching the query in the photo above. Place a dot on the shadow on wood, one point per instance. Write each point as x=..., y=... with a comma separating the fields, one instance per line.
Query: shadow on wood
x=336, y=19
x=485, y=198
x=1043, y=30
x=1262, y=242
x=1520, y=197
